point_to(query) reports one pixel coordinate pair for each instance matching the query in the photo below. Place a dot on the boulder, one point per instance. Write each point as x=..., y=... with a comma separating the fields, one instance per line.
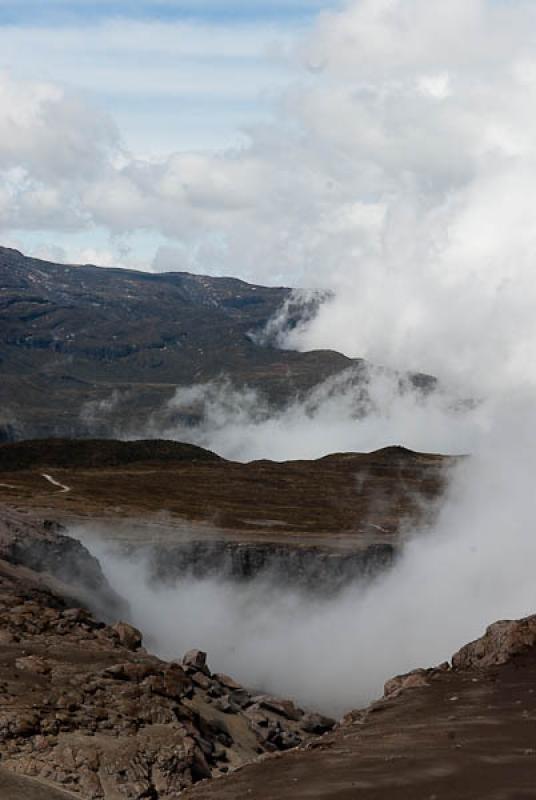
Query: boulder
x=400, y=683
x=201, y=680
x=241, y=697
x=226, y=681
x=284, y=708
x=316, y=723
x=196, y=660
x=129, y=636
x=502, y=641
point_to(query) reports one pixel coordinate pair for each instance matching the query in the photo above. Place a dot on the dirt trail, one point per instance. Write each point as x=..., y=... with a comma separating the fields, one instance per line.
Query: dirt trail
x=62, y=486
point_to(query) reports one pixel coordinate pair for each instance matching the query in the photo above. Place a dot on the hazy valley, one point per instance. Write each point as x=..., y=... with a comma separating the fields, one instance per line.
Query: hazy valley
x=292, y=575
x=267, y=400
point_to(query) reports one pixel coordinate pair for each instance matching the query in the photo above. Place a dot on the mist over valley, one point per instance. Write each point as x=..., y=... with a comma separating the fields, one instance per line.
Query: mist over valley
x=267, y=400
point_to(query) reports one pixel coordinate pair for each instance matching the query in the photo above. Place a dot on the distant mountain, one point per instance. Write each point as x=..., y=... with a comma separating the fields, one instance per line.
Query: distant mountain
x=71, y=335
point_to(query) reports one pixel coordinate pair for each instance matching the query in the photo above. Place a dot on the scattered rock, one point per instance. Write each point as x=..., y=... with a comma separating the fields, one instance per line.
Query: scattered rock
x=33, y=664
x=107, y=720
x=227, y=705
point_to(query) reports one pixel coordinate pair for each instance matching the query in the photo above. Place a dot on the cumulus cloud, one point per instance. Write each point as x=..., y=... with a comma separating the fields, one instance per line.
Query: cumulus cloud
x=398, y=172
x=52, y=145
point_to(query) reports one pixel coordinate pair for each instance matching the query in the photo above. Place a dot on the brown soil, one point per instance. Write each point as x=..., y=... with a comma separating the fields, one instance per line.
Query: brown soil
x=468, y=735
x=351, y=499
x=17, y=787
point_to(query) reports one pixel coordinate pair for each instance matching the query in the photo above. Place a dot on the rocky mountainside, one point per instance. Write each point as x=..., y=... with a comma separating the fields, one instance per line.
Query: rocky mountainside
x=85, y=708
x=465, y=730
x=86, y=712
x=75, y=335
x=41, y=546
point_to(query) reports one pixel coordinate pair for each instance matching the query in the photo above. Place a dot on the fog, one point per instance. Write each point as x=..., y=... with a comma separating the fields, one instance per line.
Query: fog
x=360, y=409
x=334, y=653
x=419, y=138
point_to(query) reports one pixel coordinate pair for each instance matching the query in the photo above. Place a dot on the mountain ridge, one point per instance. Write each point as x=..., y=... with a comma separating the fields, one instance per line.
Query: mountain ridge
x=71, y=335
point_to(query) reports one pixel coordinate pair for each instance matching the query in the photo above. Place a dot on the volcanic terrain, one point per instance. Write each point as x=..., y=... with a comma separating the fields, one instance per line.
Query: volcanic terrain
x=319, y=522
x=86, y=712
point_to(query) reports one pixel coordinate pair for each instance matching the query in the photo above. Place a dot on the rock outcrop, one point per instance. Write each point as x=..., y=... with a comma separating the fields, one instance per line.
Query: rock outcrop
x=41, y=546
x=463, y=731
x=500, y=644
x=311, y=568
x=85, y=708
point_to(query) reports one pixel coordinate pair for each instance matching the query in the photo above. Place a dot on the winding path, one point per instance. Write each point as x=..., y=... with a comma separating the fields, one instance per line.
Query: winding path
x=62, y=487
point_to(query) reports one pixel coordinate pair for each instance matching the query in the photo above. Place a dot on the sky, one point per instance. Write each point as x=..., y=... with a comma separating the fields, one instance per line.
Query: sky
x=383, y=149
x=151, y=79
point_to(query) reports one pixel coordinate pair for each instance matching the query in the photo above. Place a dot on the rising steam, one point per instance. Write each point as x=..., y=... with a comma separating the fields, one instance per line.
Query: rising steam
x=361, y=409
x=429, y=254
x=334, y=653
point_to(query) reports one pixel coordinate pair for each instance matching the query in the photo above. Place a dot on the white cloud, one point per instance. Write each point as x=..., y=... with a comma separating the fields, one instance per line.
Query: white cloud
x=358, y=410
x=399, y=172
x=472, y=566
x=437, y=86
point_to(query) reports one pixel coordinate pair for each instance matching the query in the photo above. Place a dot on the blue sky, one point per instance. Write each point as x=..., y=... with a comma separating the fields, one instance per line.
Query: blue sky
x=176, y=75
x=255, y=138
x=173, y=76
x=64, y=11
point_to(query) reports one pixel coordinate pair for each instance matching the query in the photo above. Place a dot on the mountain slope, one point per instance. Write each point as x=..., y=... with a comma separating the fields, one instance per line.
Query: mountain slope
x=353, y=500
x=460, y=732
x=71, y=334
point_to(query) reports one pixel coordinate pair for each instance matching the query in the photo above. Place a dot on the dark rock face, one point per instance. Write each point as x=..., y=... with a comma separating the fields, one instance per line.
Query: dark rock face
x=314, y=568
x=43, y=548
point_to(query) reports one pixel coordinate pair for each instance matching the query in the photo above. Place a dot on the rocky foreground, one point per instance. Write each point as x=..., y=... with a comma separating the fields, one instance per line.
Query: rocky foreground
x=465, y=730
x=86, y=710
